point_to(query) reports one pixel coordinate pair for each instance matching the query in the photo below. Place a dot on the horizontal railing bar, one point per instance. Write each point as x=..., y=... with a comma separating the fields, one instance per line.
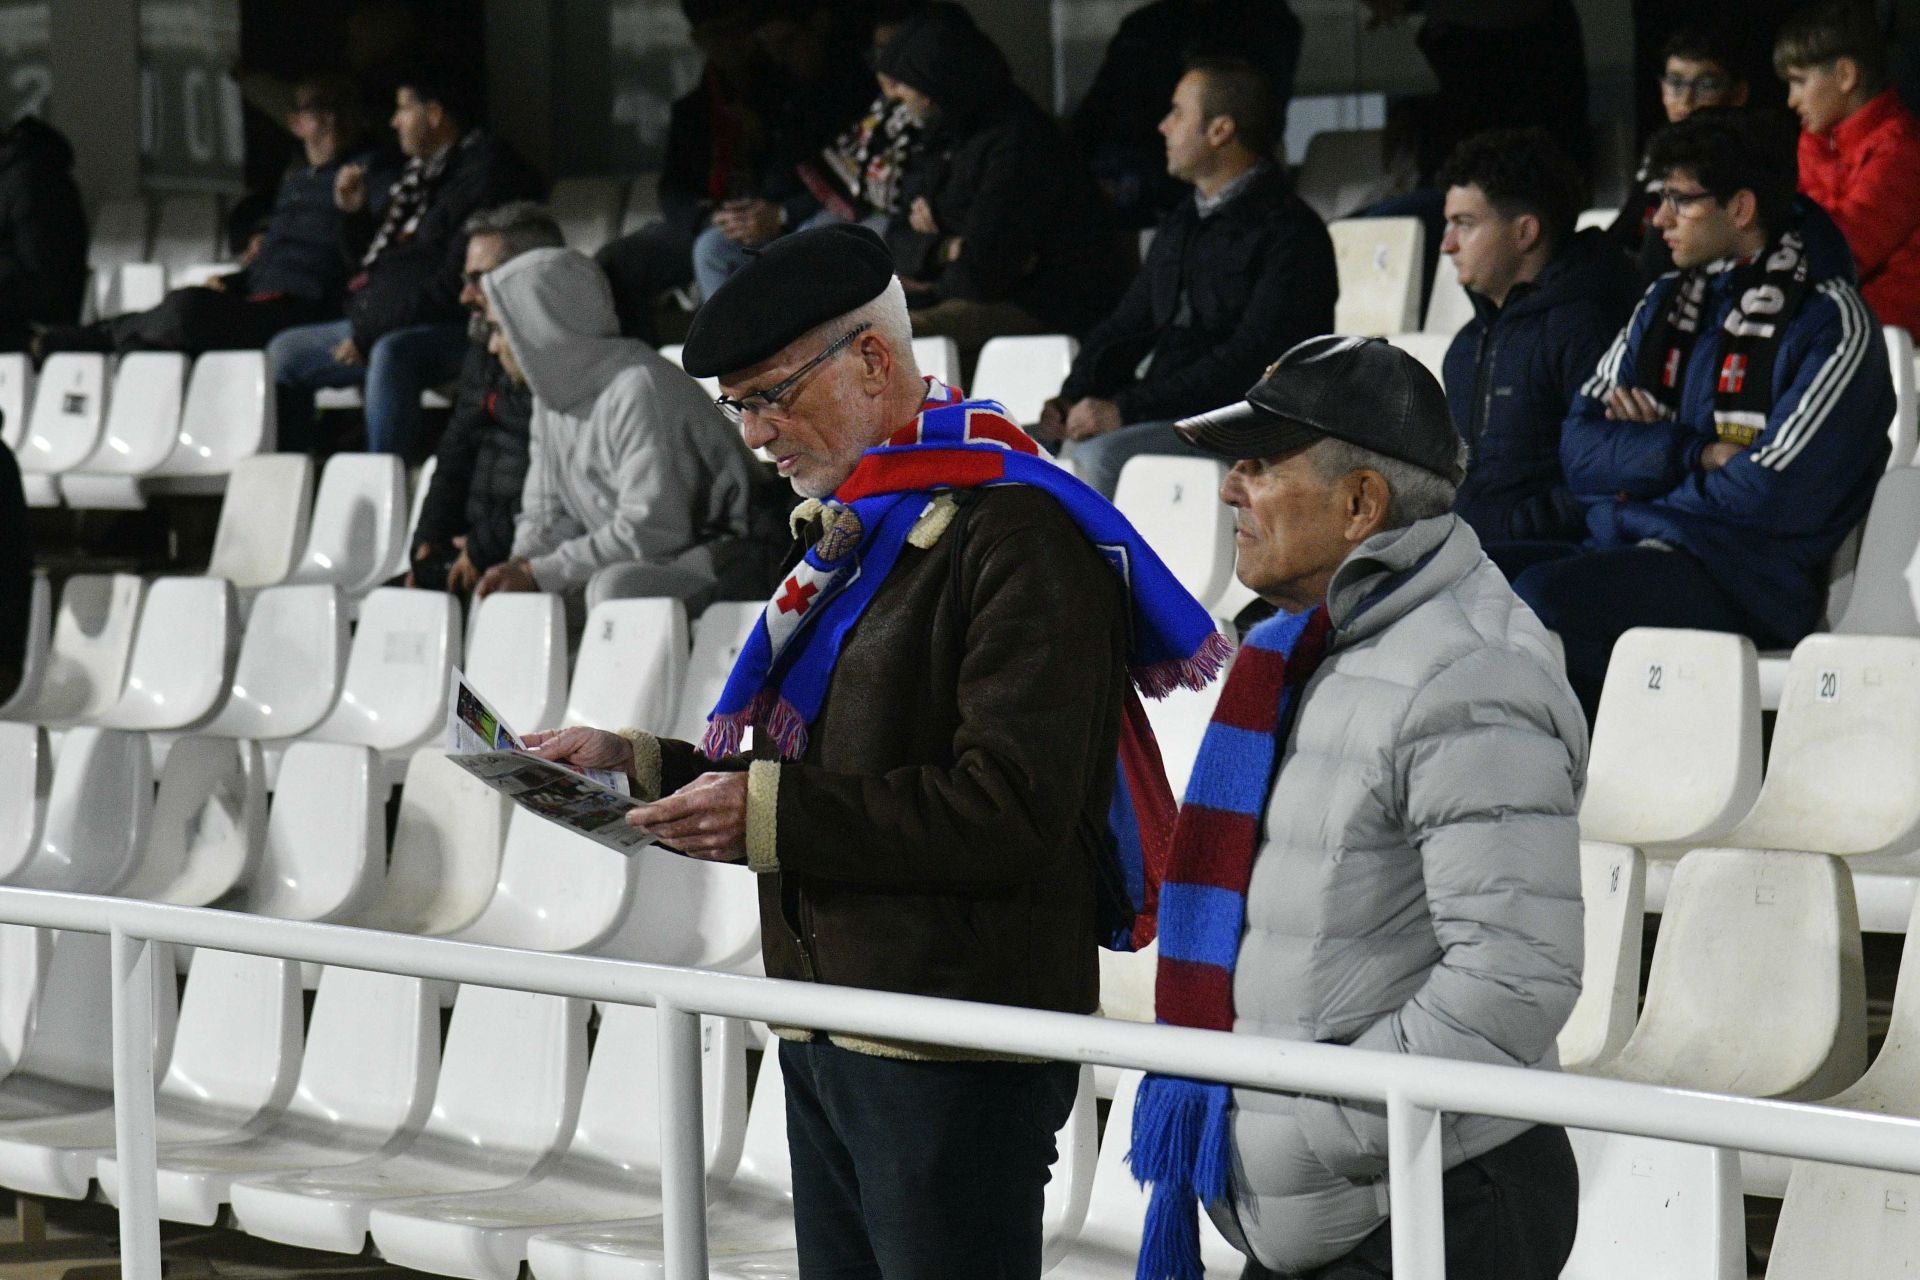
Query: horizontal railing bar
x=1793, y=1130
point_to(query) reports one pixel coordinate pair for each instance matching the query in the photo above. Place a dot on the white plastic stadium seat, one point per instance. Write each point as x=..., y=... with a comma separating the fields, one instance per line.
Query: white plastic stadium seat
x=1656, y=1209
x=16, y=396
x=557, y=891
x=938, y=358
x=632, y=660
x=38, y=651
x=263, y=520
x=228, y=416
x=26, y=777
x=1599, y=219
x=402, y=546
x=365, y=1086
x=588, y=210
x=235, y=1054
x=132, y=287
x=393, y=697
x=290, y=665
x=517, y=657
x=446, y=849
x=359, y=515
x=186, y=231
x=1342, y=171
x=1613, y=890
x=68, y=414
x=1449, y=307
x=1676, y=744
x=142, y=425
x=209, y=824
x=1023, y=373
x=1430, y=349
x=611, y=1168
x=1379, y=264
x=1175, y=504
x=511, y=1078
x=178, y=671
x=97, y=811
x=119, y=233
x=92, y=638
x=1906, y=406
x=643, y=203
x=1842, y=1222
x=326, y=846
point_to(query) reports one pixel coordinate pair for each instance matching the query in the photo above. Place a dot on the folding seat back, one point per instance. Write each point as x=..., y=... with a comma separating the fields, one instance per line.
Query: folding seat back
x=209, y=823
x=326, y=848
x=1655, y=1208
x=1599, y=219
x=1885, y=600
x=236, y=1049
x=446, y=849
x=1906, y=407
x=510, y=1045
x=633, y=656
x=517, y=657
x=16, y=396
x=938, y=358
x=97, y=811
x=1179, y=723
x=1023, y=373
x=1341, y=169
x=1379, y=264
x=402, y=546
x=1069, y=1190
x=1430, y=349
x=588, y=210
x=1676, y=744
x=394, y=694
x=372, y=1050
x=718, y=637
x=766, y=1165
x=70, y=1036
x=1613, y=890
x=143, y=414
x=1837, y=1221
x=263, y=519
x=358, y=517
x=228, y=415
x=181, y=663
x=69, y=411
x=132, y=287
x=1756, y=986
x=557, y=891
x=289, y=669
x=39, y=649
x=1175, y=504
x=92, y=639
x=26, y=777
x=1838, y=777
x=642, y=208
x=186, y=231
x=1448, y=305
x=619, y=1121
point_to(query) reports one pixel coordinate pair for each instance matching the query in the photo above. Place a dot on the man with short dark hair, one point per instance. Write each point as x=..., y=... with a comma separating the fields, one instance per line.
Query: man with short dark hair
x=402, y=334
x=1243, y=269
x=1546, y=302
x=466, y=521
x=1732, y=435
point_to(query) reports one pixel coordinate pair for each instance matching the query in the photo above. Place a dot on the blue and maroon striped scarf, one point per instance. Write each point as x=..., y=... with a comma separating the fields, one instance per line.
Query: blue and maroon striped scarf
x=1182, y=1139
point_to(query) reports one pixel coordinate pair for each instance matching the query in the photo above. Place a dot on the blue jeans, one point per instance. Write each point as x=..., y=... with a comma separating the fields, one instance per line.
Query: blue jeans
x=715, y=257
x=1098, y=461
x=401, y=366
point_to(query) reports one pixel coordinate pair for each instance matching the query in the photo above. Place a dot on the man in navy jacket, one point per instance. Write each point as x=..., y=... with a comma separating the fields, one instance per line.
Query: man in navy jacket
x=1546, y=303
x=1732, y=435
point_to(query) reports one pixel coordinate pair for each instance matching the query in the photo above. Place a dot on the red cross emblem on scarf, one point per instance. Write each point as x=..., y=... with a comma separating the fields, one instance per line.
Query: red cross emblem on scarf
x=1733, y=375
x=795, y=597
x=1670, y=372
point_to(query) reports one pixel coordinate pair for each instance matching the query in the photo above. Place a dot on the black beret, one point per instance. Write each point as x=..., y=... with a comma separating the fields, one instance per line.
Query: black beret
x=792, y=285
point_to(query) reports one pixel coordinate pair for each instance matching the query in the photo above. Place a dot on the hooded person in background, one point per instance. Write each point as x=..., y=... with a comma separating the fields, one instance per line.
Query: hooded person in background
x=628, y=459
x=1002, y=227
x=43, y=232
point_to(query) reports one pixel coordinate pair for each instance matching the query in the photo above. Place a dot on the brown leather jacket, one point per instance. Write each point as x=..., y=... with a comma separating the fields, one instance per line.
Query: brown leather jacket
x=939, y=835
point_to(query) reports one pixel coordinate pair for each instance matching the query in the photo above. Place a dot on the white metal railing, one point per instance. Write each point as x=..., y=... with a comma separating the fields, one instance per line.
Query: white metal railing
x=1416, y=1091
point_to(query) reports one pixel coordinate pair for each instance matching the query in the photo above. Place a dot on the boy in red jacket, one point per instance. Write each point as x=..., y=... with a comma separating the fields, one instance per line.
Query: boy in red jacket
x=1859, y=149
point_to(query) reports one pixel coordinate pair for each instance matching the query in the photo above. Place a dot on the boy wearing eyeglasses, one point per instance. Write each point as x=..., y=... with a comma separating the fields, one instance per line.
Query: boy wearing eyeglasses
x=1859, y=149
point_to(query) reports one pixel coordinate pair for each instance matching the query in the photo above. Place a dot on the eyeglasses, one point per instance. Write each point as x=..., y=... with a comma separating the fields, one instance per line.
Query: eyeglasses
x=768, y=401
x=1679, y=200
x=1701, y=86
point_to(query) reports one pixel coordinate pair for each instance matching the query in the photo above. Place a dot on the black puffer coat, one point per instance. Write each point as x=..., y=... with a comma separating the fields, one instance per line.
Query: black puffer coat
x=43, y=232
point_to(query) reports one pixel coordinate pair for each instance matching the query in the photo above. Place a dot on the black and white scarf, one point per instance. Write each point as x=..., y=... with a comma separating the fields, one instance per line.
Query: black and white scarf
x=1768, y=290
x=407, y=201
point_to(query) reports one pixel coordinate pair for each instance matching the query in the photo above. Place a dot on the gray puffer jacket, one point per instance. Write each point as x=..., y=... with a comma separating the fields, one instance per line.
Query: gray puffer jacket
x=1417, y=889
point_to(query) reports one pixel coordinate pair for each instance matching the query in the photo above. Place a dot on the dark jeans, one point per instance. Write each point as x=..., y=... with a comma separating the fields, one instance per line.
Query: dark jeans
x=1591, y=598
x=403, y=364
x=1510, y=1215
x=189, y=320
x=920, y=1170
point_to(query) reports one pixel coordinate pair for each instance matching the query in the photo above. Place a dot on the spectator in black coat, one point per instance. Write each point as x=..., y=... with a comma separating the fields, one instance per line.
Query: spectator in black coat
x=1004, y=229
x=16, y=573
x=1115, y=124
x=295, y=275
x=43, y=232
x=403, y=332
x=466, y=523
x=1547, y=302
x=1238, y=273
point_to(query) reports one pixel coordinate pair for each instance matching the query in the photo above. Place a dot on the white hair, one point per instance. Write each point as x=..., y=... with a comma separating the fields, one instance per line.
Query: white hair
x=1413, y=493
x=886, y=315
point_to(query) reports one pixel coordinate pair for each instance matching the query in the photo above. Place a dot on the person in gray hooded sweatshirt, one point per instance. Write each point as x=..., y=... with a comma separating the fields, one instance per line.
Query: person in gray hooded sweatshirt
x=628, y=459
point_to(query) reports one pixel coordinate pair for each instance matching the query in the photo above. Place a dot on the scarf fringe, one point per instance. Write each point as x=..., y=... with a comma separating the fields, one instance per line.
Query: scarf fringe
x=769, y=713
x=1182, y=1144
x=1158, y=679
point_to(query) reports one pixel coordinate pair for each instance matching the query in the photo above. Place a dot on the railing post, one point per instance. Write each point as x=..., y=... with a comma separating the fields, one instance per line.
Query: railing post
x=683, y=1158
x=1413, y=1185
x=133, y=1122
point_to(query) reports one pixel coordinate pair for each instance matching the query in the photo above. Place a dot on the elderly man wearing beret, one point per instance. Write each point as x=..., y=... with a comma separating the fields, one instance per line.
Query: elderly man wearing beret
x=941, y=691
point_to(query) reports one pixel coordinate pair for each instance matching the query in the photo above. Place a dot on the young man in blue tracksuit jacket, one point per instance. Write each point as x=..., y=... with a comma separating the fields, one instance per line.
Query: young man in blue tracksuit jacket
x=1732, y=435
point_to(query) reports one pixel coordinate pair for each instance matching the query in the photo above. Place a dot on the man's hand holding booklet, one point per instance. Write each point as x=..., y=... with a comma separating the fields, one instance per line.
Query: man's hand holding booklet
x=593, y=802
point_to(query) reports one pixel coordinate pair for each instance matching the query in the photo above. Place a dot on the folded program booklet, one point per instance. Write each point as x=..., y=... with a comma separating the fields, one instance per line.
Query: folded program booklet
x=593, y=802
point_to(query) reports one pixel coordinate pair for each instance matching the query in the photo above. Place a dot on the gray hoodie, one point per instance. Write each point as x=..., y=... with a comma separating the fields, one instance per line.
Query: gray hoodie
x=628, y=458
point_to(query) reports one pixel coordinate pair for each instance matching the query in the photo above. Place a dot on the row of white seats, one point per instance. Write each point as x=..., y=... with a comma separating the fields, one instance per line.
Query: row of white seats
x=95, y=432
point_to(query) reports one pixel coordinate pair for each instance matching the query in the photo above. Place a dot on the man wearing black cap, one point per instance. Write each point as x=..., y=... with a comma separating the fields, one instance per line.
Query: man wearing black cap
x=1413, y=881
x=936, y=693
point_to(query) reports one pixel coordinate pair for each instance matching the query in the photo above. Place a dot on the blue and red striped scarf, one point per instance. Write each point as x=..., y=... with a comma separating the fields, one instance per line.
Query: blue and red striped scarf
x=1182, y=1136
x=780, y=680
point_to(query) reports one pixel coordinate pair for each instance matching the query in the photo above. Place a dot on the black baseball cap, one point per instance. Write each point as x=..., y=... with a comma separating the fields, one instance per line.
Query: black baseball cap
x=1362, y=390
